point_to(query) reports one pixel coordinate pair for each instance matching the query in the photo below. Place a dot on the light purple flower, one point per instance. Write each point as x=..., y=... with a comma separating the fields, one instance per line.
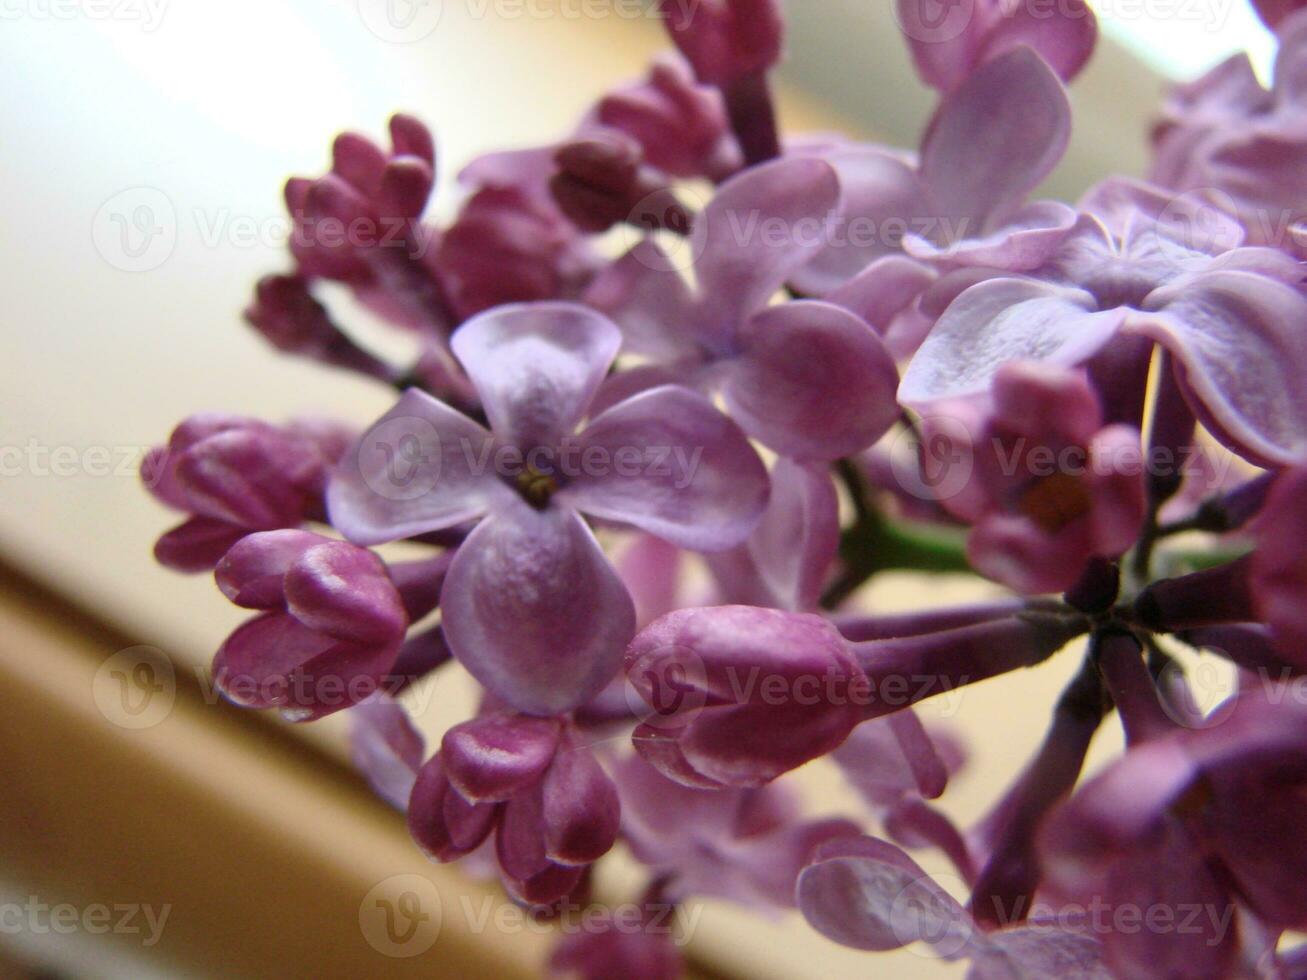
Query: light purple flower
x=964, y=201
x=869, y=894
x=1235, y=323
x=235, y=475
x=532, y=783
x=809, y=379
x=1227, y=134
x=1046, y=485
x=531, y=606
x=386, y=748
x=743, y=845
x=1192, y=819
x=950, y=41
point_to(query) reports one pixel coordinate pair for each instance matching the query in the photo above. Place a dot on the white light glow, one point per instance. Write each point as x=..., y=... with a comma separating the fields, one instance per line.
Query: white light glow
x=1184, y=38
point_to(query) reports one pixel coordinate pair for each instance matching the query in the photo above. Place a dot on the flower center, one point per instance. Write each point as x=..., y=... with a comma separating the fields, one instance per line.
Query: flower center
x=536, y=487
x=1055, y=501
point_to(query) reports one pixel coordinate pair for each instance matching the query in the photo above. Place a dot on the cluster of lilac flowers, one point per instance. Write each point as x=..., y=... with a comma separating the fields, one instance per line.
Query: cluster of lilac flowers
x=652, y=441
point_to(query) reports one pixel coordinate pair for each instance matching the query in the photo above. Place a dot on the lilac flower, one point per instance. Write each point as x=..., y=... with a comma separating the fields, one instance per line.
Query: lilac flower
x=1235, y=323
x=1226, y=133
x=681, y=126
x=965, y=199
x=1044, y=483
x=869, y=894
x=726, y=40
x=809, y=379
x=551, y=807
x=1279, y=569
x=948, y=49
x=532, y=608
x=743, y=845
x=330, y=627
x=236, y=475
x=740, y=695
x=1191, y=819
x=359, y=225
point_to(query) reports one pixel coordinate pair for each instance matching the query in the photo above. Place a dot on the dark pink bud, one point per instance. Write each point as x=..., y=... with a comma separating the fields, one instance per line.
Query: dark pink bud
x=741, y=695
x=726, y=40
x=444, y=824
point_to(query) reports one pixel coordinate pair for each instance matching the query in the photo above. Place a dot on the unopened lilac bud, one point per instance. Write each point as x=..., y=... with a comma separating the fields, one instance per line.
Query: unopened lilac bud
x=603, y=181
x=726, y=40
x=1207, y=598
x=741, y=695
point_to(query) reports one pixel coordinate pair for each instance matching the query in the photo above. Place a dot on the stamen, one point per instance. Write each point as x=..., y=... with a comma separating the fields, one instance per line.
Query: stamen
x=536, y=487
x=1056, y=501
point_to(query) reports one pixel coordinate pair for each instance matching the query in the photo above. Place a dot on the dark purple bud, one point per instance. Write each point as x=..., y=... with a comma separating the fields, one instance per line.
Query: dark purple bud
x=497, y=756
x=602, y=181
x=444, y=824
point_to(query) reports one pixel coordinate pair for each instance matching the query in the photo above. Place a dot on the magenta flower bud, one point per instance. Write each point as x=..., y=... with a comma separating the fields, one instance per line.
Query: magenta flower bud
x=235, y=475
x=680, y=125
x=1279, y=565
x=602, y=181
x=741, y=695
x=287, y=315
x=330, y=627
x=553, y=809
x=726, y=40
x=444, y=824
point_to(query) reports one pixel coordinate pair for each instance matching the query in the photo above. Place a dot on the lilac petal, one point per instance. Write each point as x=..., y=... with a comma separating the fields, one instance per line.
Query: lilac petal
x=196, y=545
x=274, y=661
x=650, y=567
x=945, y=39
x=1023, y=242
x=386, y=748
x=883, y=290
x=886, y=759
x=252, y=574
x=421, y=467
x=442, y=823
x=868, y=894
x=799, y=534
x=343, y=591
x=537, y=367
x=986, y=150
x=534, y=611
x=1064, y=37
x=776, y=859
x=668, y=462
x=496, y=756
x=1002, y=320
x=1242, y=340
x=1036, y=951
x=882, y=193
x=814, y=381
x=760, y=229
x=580, y=808
x=647, y=297
x=660, y=747
x=249, y=477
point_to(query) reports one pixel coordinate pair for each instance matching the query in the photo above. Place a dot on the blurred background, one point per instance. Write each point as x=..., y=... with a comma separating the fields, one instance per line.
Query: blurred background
x=144, y=145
